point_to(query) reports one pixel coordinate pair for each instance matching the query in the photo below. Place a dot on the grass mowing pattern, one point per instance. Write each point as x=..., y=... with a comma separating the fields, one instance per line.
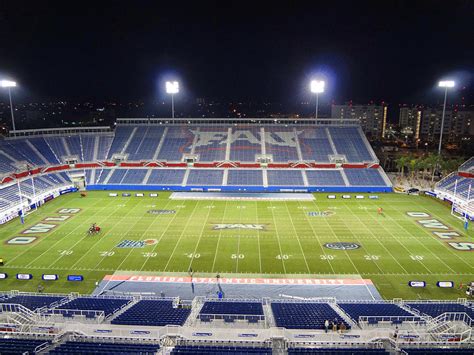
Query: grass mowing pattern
x=394, y=247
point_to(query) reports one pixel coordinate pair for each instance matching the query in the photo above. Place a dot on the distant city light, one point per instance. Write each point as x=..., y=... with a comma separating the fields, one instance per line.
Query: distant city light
x=7, y=84
x=172, y=87
x=317, y=86
x=446, y=84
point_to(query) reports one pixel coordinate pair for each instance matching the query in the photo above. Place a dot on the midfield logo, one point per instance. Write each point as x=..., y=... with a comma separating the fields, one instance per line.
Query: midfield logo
x=239, y=226
x=342, y=246
x=136, y=243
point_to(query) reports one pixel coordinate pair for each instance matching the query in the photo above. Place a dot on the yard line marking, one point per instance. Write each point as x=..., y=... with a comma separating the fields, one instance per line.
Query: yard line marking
x=204, y=225
x=162, y=233
x=319, y=241
x=337, y=238
x=278, y=237
x=99, y=240
x=258, y=238
x=219, y=238
x=439, y=241
x=36, y=220
x=378, y=240
x=424, y=246
x=62, y=240
x=182, y=233
x=297, y=238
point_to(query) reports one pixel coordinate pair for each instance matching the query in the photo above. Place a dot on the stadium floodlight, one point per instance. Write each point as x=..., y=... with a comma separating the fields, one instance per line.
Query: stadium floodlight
x=172, y=87
x=446, y=84
x=317, y=87
x=8, y=84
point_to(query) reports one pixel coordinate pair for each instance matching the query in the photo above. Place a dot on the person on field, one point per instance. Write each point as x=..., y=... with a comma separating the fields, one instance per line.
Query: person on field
x=380, y=210
x=326, y=325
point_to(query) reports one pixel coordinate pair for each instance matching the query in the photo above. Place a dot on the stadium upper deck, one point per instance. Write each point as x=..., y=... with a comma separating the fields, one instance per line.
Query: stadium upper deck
x=255, y=155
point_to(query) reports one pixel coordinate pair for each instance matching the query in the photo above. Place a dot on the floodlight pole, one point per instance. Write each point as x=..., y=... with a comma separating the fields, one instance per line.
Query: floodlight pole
x=442, y=120
x=11, y=108
x=317, y=104
x=172, y=105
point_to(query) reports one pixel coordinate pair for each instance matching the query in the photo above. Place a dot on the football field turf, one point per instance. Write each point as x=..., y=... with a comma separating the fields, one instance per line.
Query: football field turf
x=151, y=235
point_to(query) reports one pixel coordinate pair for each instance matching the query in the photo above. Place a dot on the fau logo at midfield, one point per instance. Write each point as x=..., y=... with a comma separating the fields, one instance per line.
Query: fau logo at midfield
x=136, y=243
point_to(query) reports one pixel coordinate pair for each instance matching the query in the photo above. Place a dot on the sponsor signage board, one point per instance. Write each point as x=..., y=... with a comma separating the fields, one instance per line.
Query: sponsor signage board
x=445, y=284
x=359, y=196
x=417, y=284
x=3, y=276
x=153, y=195
x=139, y=195
x=373, y=197
x=24, y=276
x=75, y=277
x=346, y=196
x=49, y=277
x=113, y=194
x=332, y=196
x=126, y=195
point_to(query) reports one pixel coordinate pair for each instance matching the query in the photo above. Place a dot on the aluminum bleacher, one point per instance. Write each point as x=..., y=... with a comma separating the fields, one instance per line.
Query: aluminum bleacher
x=304, y=315
x=364, y=177
x=377, y=312
x=285, y=178
x=245, y=177
x=153, y=313
x=107, y=305
x=315, y=144
x=105, y=347
x=166, y=177
x=205, y=177
x=325, y=178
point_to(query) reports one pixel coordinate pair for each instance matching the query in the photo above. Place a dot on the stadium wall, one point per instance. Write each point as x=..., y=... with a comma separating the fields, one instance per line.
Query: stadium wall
x=369, y=189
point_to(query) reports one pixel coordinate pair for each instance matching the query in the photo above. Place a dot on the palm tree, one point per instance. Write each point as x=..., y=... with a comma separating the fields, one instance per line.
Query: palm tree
x=402, y=162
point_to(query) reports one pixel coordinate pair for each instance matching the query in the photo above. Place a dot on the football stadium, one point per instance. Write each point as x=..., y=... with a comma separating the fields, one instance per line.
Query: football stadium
x=227, y=236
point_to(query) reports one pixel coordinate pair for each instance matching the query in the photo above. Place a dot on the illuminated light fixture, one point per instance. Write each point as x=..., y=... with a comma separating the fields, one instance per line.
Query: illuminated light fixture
x=8, y=84
x=172, y=87
x=446, y=84
x=317, y=86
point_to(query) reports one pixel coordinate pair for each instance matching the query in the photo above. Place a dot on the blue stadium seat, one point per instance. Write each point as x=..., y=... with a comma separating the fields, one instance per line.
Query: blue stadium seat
x=293, y=315
x=153, y=313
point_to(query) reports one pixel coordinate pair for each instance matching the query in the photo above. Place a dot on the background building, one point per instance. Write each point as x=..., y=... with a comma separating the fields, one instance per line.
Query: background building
x=372, y=118
x=410, y=121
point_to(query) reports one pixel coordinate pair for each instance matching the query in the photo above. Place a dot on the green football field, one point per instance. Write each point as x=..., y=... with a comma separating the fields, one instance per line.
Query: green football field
x=271, y=239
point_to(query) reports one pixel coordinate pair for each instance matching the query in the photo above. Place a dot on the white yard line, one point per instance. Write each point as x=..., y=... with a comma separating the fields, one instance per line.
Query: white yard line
x=62, y=240
x=316, y=235
x=43, y=238
x=278, y=238
x=258, y=238
x=420, y=243
x=336, y=237
x=162, y=233
x=297, y=238
x=181, y=235
x=100, y=238
x=377, y=239
x=200, y=235
x=219, y=239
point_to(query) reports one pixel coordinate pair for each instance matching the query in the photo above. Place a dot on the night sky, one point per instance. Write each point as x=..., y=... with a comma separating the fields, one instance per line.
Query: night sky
x=237, y=50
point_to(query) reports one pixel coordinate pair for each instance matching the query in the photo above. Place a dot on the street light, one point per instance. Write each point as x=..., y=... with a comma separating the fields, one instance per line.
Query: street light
x=9, y=84
x=172, y=87
x=444, y=84
x=317, y=87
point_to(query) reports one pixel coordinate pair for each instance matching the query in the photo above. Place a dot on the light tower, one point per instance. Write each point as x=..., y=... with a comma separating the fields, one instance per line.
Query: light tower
x=317, y=87
x=172, y=87
x=9, y=84
x=444, y=84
